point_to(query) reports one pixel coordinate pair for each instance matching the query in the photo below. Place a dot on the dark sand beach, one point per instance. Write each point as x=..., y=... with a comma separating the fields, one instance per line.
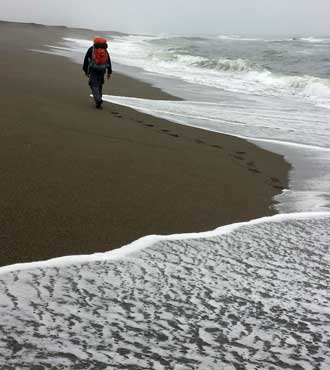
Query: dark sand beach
x=75, y=180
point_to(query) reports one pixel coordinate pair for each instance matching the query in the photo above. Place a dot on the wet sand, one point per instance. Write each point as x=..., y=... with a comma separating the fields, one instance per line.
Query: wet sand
x=75, y=180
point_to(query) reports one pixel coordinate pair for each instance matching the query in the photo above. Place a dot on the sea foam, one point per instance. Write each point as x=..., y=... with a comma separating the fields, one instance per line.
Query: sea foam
x=247, y=295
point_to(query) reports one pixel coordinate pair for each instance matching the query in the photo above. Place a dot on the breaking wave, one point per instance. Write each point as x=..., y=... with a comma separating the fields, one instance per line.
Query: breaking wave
x=264, y=81
x=246, y=77
x=226, y=65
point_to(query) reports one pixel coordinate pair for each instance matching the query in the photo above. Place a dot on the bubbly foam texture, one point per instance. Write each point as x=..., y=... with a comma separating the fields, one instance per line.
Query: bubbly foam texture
x=252, y=119
x=250, y=296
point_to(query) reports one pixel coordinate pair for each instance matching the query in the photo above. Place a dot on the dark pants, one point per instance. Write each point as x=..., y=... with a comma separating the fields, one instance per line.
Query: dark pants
x=96, y=81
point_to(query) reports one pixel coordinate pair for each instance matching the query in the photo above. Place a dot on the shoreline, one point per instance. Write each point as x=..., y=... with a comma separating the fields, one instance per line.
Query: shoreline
x=77, y=181
x=150, y=240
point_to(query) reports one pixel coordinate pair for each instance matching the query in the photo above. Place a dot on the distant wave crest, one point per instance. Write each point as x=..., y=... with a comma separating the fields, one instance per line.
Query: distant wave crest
x=310, y=39
x=228, y=65
x=314, y=40
x=306, y=86
x=238, y=38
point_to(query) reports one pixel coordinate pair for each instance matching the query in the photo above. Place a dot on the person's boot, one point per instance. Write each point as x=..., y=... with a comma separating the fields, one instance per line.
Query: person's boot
x=99, y=104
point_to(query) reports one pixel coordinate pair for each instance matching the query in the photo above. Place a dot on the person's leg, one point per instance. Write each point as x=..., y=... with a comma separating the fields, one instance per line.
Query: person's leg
x=100, y=93
x=94, y=84
x=97, y=95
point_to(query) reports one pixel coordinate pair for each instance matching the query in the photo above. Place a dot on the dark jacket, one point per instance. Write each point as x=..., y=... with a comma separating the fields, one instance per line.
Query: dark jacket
x=87, y=60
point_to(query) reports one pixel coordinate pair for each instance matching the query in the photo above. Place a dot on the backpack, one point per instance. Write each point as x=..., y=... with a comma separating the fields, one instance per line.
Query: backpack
x=99, y=59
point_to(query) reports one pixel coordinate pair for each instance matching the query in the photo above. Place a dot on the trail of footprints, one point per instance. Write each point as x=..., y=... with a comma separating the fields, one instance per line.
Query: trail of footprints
x=237, y=156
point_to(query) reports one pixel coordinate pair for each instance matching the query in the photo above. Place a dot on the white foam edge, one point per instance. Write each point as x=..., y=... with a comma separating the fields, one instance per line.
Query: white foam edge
x=148, y=241
x=111, y=99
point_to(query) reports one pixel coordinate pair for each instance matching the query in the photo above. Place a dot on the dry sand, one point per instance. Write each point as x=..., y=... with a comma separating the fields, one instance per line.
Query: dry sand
x=75, y=180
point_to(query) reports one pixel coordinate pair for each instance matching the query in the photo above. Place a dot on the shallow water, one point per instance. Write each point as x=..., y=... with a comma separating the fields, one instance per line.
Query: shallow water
x=248, y=297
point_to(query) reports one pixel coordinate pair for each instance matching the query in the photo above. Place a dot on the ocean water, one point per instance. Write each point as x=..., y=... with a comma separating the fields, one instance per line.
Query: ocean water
x=247, y=296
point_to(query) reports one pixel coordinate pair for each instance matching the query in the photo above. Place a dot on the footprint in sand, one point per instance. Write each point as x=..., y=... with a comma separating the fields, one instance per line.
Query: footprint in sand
x=148, y=125
x=275, y=183
x=216, y=146
x=168, y=132
x=117, y=114
x=239, y=157
x=198, y=141
x=252, y=167
x=254, y=170
x=275, y=179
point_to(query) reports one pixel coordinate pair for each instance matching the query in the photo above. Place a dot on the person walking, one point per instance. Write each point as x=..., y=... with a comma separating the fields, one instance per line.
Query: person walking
x=96, y=63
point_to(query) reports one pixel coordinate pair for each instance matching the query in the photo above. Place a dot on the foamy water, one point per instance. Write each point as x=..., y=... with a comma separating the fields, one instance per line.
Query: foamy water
x=247, y=296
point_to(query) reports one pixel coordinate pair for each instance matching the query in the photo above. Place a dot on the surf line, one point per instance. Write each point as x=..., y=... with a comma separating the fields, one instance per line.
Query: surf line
x=129, y=102
x=148, y=241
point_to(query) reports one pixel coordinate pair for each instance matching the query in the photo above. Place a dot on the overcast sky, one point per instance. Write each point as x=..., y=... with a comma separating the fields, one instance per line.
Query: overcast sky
x=308, y=17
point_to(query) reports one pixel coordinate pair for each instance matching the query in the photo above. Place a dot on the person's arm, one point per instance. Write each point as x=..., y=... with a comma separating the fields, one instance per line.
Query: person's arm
x=109, y=67
x=87, y=59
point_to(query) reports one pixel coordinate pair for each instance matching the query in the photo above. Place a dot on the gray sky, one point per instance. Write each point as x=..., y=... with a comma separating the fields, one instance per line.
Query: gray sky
x=308, y=17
